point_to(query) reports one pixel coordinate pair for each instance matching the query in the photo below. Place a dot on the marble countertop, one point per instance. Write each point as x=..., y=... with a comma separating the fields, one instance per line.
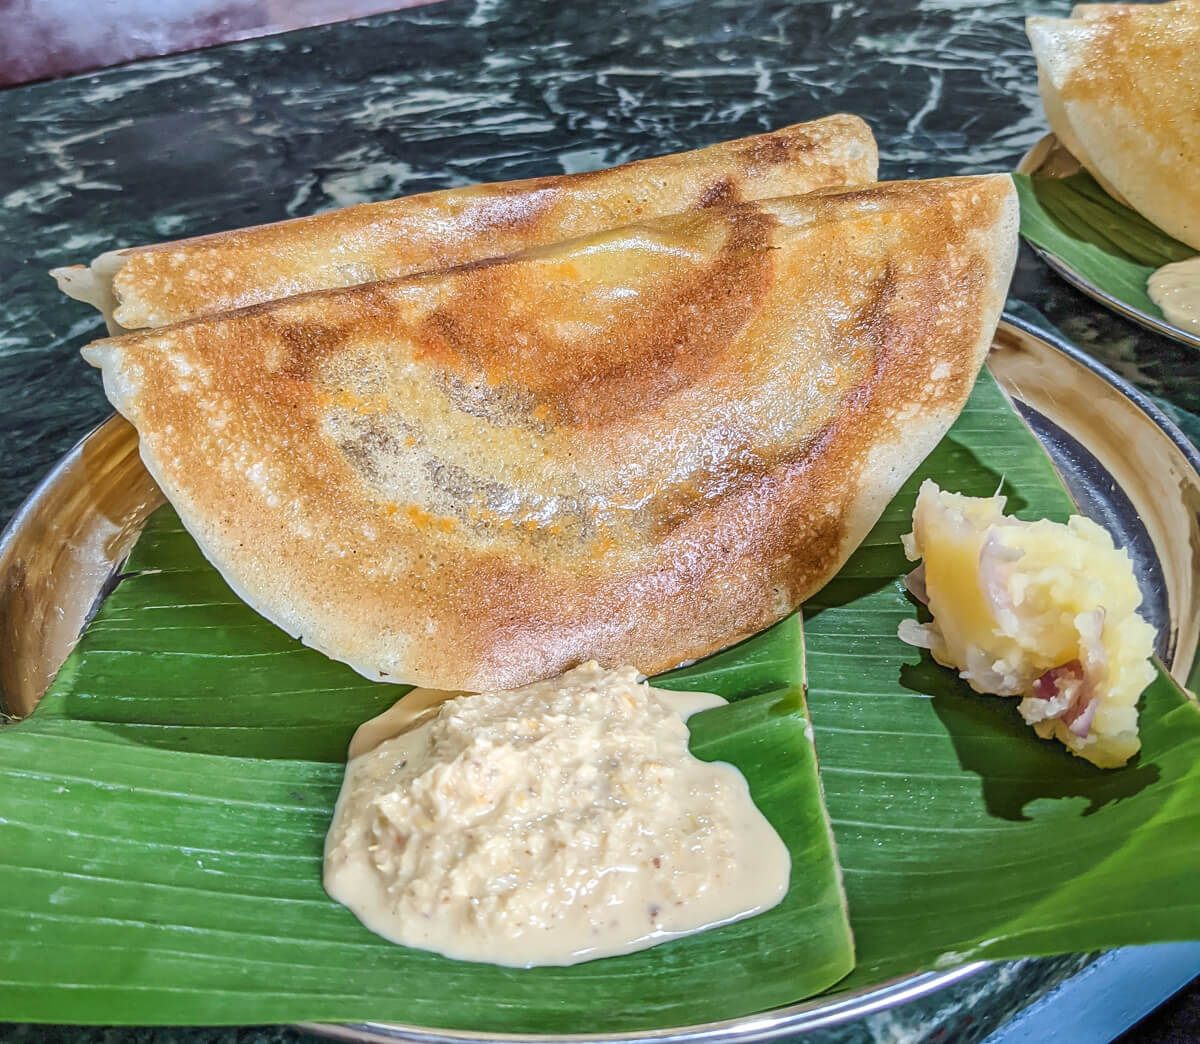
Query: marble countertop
x=484, y=90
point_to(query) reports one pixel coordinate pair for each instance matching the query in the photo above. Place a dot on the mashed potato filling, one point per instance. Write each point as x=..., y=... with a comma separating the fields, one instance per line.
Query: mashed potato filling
x=1040, y=610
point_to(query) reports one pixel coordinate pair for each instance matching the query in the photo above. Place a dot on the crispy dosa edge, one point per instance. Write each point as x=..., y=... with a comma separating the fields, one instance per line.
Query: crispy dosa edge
x=152, y=286
x=1056, y=116
x=729, y=569
x=1119, y=130
x=93, y=284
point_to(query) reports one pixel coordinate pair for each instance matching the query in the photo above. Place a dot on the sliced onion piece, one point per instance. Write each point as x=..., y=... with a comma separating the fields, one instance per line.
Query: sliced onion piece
x=915, y=582
x=914, y=633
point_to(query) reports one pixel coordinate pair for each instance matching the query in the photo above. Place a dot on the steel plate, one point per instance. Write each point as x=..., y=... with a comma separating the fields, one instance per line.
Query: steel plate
x=1123, y=461
x=1049, y=158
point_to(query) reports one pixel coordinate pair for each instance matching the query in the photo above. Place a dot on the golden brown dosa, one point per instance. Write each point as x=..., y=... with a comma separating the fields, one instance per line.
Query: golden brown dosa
x=1121, y=88
x=156, y=285
x=638, y=446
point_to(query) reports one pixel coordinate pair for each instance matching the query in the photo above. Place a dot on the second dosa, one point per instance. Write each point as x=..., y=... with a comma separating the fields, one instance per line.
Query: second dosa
x=171, y=282
x=1121, y=87
x=637, y=447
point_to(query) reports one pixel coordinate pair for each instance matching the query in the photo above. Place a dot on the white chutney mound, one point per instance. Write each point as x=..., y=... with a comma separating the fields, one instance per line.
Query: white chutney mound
x=1175, y=288
x=556, y=823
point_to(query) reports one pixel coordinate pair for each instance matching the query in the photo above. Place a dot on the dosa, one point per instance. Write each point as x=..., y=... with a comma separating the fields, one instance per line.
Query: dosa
x=638, y=446
x=153, y=286
x=1121, y=88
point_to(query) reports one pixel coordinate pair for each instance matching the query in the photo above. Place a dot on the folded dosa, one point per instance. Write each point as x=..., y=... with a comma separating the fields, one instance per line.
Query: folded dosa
x=170, y=282
x=638, y=446
x=1121, y=88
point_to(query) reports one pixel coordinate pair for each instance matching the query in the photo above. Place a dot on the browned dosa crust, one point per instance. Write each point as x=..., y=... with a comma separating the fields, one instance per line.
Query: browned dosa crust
x=171, y=282
x=638, y=446
x=1121, y=87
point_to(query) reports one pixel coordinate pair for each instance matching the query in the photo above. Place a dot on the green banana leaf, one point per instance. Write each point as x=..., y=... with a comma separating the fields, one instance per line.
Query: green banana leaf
x=1111, y=246
x=960, y=835
x=161, y=814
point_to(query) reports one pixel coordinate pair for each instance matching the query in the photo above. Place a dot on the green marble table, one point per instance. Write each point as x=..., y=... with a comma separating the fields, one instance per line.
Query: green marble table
x=481, y=90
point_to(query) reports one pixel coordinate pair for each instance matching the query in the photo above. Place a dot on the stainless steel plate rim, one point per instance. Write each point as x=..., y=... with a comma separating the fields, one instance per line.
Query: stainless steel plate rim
x=1031, y=163
x=806, y=1016
x=1134, y=394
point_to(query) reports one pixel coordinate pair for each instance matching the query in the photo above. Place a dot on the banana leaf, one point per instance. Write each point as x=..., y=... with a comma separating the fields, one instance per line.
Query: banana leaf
x=161, y=814
x=1111, y=246
x=961, y=836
